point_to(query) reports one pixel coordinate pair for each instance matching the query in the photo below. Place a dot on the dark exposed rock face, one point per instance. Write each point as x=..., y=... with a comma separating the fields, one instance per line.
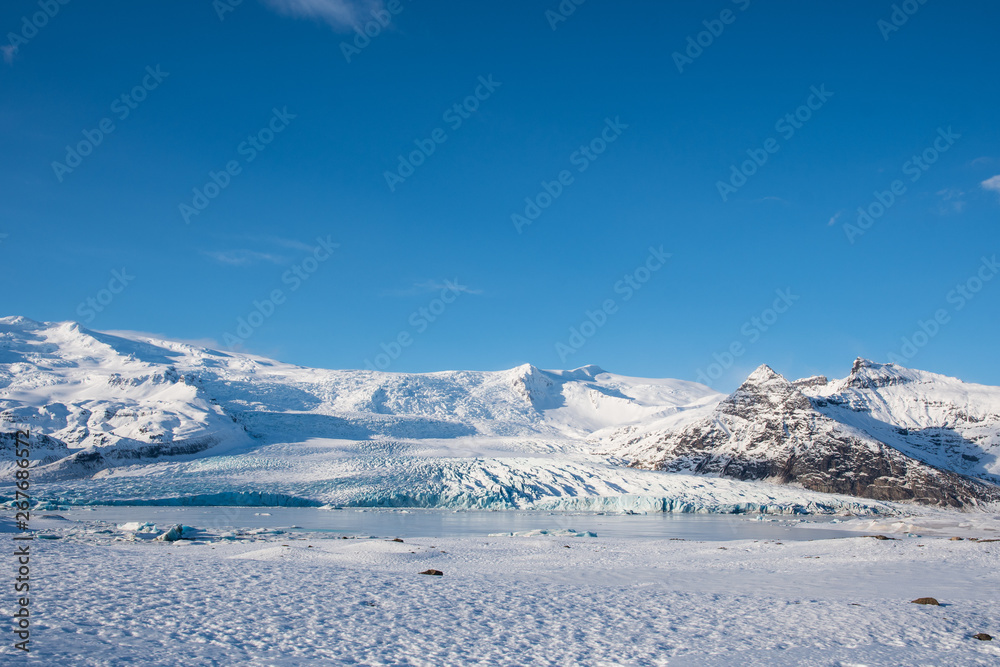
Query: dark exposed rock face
x=91, y=460
x=815, y=381
x=866, y=374
x=769, y=430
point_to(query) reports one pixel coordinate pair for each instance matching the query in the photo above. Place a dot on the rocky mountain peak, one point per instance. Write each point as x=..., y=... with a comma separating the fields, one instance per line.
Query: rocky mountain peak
x=763, y=374
x=764, y=390
x=861, y=363
x=867, y=374
x=768, y=429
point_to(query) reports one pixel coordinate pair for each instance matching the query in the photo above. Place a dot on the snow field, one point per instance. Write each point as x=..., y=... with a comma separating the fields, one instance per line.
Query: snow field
x=303, y=598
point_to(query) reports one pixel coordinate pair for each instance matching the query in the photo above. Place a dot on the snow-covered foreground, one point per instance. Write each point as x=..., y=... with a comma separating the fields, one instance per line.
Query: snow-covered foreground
x=306, y=598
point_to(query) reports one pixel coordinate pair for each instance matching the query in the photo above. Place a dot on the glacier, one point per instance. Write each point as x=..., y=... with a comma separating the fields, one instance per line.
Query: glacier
x=125, y=418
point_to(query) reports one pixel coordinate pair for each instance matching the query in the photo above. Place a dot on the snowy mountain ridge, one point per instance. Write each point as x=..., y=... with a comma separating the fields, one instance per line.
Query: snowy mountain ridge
x=135, y=419
x=43, y=364
x=884, y=432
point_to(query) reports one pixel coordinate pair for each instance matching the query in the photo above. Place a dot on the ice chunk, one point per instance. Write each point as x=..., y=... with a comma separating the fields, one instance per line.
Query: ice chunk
x=565, y=532
x=178, y=532
x=136, y=527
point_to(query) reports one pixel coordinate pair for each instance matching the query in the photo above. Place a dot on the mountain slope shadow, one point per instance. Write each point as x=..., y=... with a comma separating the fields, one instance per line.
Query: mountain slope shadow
x=295, y=427
x=938, y=446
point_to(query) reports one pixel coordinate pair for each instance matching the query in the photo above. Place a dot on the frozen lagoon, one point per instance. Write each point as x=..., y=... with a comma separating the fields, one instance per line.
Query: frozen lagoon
x=472, y=523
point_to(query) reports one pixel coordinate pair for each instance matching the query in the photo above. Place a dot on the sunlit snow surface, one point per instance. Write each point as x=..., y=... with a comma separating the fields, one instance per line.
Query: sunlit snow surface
x=108, y=595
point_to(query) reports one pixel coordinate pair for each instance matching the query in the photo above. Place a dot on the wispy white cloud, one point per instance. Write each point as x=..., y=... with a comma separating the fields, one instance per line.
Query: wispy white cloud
x=992, y=183
x=833, y=220
x=292, y=244
x=981, y=161
x=266, y=242
x=243, y=257
x=953, y=201
x=340, y=14
x=9, y=51
x=433, y=286
x=771, y=198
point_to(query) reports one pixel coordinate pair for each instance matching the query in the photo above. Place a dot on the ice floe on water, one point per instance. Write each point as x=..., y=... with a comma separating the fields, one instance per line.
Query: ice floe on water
x=560, y=532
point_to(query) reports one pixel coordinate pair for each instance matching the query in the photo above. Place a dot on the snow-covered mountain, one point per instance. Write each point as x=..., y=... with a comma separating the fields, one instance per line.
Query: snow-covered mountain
x=884, y=432
x=129, y=418
x=126, y=393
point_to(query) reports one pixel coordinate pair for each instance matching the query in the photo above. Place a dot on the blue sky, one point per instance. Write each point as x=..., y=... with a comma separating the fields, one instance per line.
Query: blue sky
x=269, y=151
